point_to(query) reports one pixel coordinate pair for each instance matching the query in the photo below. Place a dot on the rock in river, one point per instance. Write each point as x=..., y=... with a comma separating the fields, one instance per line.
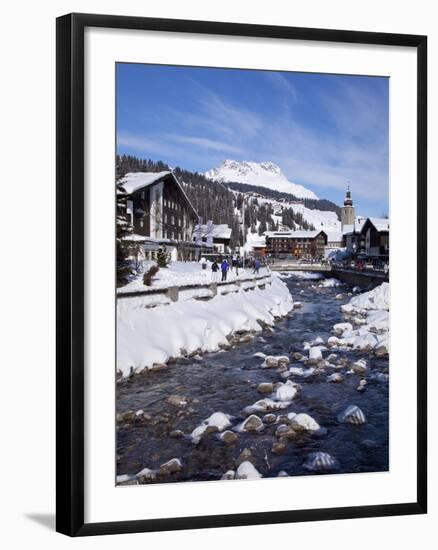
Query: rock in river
x=171, y=466
x=304, y=422
x=286, y=392
x=266, y=405
x=265, y=387
x=359, y=367
x=217, y=422
x=229, y=437
x=252, y=424
x=246, y=470
x=352, y=415
x=320, y=462
x=270, y=362
x=335, y=377
x=177, y=400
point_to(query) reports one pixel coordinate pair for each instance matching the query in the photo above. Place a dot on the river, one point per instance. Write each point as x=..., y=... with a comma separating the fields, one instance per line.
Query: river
x=227, y=381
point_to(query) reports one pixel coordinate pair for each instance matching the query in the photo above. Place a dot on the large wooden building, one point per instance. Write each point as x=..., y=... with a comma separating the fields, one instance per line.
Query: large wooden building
x=159, y=211
x=296, y=243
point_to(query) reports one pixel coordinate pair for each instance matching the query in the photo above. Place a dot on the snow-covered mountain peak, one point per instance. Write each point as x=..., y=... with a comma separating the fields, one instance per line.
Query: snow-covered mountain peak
x=264, y=174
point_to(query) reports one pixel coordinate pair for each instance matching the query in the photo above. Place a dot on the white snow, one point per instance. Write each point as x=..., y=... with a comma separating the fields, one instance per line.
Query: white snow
x=264, y=174
x=305, y=422
x=266, y=405
x=372, y=311
x=133, y=181
x=145, y=337
x=315, y=353
x=378, y=298
x=286, y=392
x=330, y=283
x=183, y=273
x=218, y=420
x=246, y=470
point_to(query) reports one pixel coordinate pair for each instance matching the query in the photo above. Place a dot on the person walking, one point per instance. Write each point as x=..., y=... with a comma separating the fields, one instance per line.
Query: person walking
x=256, y=266
x=214, y=271
x=224, y=268
x=235, y=264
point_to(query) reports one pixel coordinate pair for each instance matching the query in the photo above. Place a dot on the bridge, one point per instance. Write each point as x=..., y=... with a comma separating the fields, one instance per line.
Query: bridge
x=363, y=277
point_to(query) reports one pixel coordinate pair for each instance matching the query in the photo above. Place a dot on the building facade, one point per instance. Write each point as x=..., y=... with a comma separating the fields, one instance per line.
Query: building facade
x=159, y=212
x=375, y=233
x=296, y=243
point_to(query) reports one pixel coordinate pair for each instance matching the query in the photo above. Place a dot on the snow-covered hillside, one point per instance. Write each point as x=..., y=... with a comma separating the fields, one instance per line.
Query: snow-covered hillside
x=320, y=219
x=264, y=174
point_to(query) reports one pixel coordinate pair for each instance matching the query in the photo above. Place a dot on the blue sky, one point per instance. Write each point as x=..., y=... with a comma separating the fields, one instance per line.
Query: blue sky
x=324, y=131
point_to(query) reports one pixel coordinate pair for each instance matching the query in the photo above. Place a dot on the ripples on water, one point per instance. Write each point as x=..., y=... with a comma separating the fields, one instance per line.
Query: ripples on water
x=227, y=382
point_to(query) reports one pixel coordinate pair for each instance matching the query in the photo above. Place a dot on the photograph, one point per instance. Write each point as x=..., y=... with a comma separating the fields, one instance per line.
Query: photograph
x=252, y=274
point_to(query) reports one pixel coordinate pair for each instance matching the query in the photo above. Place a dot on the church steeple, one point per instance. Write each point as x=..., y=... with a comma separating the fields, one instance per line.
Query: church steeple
x=347, y=211
x=348, y=201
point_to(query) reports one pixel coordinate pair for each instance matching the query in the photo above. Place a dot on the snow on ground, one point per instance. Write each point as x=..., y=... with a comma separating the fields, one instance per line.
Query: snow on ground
x=369, y=312
x=145, y=338
x=184, y=273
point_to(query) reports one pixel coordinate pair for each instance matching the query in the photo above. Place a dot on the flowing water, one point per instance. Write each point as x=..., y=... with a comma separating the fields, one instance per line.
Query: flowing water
x=227, y=382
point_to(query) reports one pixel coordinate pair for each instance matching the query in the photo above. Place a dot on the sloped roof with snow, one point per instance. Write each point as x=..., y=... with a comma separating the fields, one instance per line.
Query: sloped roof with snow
x=220, y=231
x=133, y=181
x=359, y=222
x=334, y=236
x=301, y=234
x=381, y=224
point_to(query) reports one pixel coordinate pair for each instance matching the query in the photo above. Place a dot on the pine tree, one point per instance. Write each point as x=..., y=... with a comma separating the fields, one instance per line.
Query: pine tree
x=162, y=257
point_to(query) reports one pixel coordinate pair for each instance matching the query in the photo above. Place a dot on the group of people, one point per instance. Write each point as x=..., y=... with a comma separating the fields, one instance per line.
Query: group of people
x=224, y=267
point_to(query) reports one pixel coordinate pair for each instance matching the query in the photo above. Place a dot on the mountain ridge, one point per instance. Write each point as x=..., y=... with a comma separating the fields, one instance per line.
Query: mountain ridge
x=264, y=174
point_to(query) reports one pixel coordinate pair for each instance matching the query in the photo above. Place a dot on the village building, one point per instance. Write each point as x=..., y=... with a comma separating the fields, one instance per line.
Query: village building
x=216, y=236
x=160, y=214
x=296, y=243
x=334, y=242
x=353, y=239
x=375, y=233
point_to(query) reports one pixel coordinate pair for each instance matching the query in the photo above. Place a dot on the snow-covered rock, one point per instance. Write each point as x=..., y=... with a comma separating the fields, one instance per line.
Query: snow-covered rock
x=304, y=422
x=247, y=470
x=171, y=466
x=218, y=421
x=266, y=405
x=336, y=377
x=265, y=387
x=359, y=367
x=286, y=392
x=252, y=424
x=330, y=283
x=340, y=328
x=315, y=353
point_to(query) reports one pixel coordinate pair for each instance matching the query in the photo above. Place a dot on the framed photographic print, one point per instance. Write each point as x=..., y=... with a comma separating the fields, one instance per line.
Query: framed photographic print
x=241, y=274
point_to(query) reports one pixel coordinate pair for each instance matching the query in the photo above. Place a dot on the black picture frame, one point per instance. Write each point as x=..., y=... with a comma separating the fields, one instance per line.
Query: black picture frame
x=70, y=273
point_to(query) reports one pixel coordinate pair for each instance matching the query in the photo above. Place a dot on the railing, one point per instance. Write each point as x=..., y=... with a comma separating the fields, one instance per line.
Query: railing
x=366, y=270
x=197, y=291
